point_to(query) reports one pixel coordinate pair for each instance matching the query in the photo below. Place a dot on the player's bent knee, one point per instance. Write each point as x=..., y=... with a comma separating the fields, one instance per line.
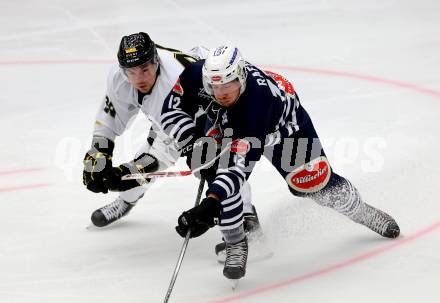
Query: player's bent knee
x=309, y=178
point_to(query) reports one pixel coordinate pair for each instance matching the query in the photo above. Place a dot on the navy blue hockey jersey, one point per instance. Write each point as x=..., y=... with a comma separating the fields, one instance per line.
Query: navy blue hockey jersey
x=265, y=112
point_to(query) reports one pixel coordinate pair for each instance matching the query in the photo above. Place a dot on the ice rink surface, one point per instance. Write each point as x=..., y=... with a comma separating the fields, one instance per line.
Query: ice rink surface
x=367, y=72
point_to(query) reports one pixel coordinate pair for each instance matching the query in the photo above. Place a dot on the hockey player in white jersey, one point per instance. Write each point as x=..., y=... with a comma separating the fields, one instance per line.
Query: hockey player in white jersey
x=144, y=75
x=138, y=83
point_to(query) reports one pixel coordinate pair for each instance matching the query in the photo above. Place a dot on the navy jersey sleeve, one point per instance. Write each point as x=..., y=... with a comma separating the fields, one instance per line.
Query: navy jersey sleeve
x=179, y=108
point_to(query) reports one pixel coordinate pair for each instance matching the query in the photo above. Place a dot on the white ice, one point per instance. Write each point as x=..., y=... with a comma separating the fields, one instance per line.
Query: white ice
x=367, y=72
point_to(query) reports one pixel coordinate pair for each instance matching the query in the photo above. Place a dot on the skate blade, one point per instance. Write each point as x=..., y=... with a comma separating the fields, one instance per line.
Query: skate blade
x=234, y=284
x=92, y=227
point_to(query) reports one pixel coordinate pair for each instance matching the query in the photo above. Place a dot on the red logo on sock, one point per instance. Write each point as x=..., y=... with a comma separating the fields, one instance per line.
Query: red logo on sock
x=310, y=177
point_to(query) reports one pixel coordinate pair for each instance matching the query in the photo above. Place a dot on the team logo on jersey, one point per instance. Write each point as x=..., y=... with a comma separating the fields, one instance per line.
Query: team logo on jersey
x=215, y=133
x=177, y=88
x=282, y=82
x=240, y=146
x=310, y=177
x=225, y=118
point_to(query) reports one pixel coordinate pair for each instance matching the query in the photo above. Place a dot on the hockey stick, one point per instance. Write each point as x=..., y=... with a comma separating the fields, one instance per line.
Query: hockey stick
x=184, y=246
x=159, y=174
x=175, y=174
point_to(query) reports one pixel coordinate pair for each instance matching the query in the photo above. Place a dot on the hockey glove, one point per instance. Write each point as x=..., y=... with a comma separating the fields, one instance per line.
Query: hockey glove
x=145, y=163
x=200, y=218
x=97, y=161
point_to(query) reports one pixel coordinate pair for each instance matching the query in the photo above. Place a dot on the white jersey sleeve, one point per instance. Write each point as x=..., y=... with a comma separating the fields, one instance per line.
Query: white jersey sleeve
x=118, y=108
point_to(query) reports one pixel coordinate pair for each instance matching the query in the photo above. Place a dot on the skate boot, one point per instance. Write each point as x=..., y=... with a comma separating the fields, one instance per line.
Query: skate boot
x=236, y=259
x=379, y=221
x=252, y=226
x=111, y=212
x=255, y=236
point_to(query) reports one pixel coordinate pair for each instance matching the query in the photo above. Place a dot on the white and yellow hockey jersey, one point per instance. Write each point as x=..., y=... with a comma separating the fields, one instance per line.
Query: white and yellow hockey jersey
x=121, y=103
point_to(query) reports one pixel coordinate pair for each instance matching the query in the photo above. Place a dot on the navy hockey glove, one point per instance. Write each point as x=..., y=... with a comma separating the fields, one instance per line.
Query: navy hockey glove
x=199, y=218
x=97, y=161
x=145, y=163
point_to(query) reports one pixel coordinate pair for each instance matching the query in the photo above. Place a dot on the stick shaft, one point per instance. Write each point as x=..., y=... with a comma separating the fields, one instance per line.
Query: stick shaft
x=184, y=246
x=178, y=173
x=159, y=174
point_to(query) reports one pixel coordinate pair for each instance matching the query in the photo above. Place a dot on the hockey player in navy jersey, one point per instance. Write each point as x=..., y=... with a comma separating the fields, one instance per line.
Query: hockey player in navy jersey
x=254, y=113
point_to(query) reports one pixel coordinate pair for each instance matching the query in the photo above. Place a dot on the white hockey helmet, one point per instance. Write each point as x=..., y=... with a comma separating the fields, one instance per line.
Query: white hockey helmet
x=222, y=65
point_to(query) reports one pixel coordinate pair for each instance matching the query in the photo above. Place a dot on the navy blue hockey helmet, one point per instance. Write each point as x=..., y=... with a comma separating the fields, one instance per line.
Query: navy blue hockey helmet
x=136, y=49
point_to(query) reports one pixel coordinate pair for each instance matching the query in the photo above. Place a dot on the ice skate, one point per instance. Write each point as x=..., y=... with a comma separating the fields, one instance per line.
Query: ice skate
x=379, y=221
x=256, y=239
x=111, y=212
x=236, y=259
